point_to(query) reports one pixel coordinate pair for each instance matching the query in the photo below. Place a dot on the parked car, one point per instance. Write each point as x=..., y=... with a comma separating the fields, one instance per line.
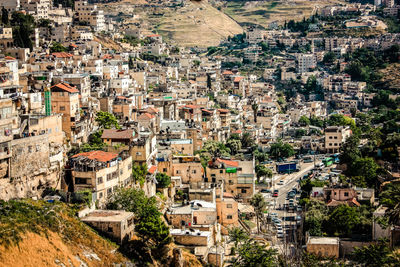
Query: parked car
x=281, y=182
x=275, y=194
x=265, y=190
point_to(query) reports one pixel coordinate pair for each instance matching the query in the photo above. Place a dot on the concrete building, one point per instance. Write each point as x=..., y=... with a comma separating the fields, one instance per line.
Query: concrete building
x=101, y=172
x=90, y=14
x=323, y=246
x=6, y=38
x=116, y=224
x=306, y=62
x=335, y=136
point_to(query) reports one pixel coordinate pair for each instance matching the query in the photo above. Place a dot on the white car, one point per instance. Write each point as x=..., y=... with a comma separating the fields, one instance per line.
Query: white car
x=281, y=182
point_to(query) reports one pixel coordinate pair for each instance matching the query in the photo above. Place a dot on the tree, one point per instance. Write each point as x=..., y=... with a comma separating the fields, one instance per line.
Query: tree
x=262, y=171
x=259, y=204
x=139, y=173
x=350, y=151
x=57, y=47
x=300, y=132
x=22, y=29
x=329, y=58
x=107, y=120
x=149, y=225
x=390, y=198
x=234, y=145
x=367, y=169
x=130, y=199
x=252, y=254
x=343, y=220
x=237, y=236
x=247, y=140
x=281, y=150
x=152, y=229
x=304, y=121
x=4, y=16
x=374, y=255
x=163, y=180
x=254, y=107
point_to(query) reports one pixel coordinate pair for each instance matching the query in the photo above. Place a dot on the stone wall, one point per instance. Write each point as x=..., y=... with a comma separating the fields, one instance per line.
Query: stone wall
x=31, y=171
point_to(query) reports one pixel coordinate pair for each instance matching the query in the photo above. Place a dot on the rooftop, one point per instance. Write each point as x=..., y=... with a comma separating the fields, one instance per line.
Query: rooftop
x=316, y=240
x=107, y=216
x=97, y=155
x=118, y=134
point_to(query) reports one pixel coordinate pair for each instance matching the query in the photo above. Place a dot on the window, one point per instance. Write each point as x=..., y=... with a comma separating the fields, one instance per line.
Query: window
x=229, y=217
x=164, y=169
x=81, y=180
x=99, y=180
x=109, y=229
x=346, y=194
x=109, y=177
x=330, y=137
x=244, y=191
x=62, y=108
x=101, y=195
x=194, y=171
x=178, y=171
x=229, y=206
x=61, y=93
x=109, y=191
x=138, y=153
x=230, y=182
x=121, y=172
x=221, y=171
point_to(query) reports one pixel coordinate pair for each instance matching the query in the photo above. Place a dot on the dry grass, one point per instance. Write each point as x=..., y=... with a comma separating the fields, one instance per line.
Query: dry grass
x=264, y=12
x=197, y=24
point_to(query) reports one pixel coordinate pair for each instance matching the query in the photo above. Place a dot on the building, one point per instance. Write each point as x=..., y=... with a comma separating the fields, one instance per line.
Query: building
x=91, y=14
x=65, y=100
x=323, y=246
x=6, y=38
x=335, y=136
x=116, y=224
x=237, y=177
x=101, y=172
x=306, y=62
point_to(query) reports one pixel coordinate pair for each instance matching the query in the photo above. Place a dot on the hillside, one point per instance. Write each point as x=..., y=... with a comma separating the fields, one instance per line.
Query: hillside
x=196, y=23
x=42, y=234
x=264, y=12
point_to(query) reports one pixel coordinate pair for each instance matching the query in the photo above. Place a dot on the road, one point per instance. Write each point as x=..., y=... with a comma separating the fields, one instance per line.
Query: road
x=290, y=181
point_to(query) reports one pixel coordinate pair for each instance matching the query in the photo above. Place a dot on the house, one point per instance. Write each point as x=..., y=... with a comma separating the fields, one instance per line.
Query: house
x=65, y=100
x=100, y=172
x=116, y=224
x=113, y=137
x=340, y=195
x=197, y=214
x=323, y=246
x=378, y=231
x=238, y=177
x=335, y=136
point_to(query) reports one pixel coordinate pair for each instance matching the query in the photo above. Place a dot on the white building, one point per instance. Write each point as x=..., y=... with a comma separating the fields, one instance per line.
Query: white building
x=306, y=62
x=91, y=14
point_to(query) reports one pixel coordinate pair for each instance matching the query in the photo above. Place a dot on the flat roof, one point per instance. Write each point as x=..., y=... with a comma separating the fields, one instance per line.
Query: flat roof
x=316, y=240
x=107, y=216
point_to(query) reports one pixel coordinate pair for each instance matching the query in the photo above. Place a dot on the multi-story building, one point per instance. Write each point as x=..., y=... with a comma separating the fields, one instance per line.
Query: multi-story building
x=237, y=177
x=101, y=172
x=39, y=9
x=306, y=62
x=335, y=136
x=6, y=38
x=90, y=14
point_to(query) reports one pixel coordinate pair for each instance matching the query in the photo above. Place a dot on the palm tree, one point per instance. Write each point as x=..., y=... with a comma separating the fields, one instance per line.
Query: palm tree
x=254, y=107
x=259, y=204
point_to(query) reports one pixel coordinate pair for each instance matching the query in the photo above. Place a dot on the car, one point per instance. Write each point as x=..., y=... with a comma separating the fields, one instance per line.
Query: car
x=281, y=182
x=298, y=218
x=265, y=190
x=273, y=214
x=279, y=235
x=275, y=195
x=299, y=208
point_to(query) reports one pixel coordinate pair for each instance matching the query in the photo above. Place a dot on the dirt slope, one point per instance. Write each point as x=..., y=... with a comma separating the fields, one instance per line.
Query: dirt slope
x=197, y=24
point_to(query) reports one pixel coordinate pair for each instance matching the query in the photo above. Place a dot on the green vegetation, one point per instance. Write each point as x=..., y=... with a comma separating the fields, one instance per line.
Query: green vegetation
x=18, y=217
x=23, y=26
x=57, y=47
x=281, y=150
x=163, y=180
x=262, y=171
x=249, y=252
x=139, y=173
x=259, y=205
x=150, y=227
